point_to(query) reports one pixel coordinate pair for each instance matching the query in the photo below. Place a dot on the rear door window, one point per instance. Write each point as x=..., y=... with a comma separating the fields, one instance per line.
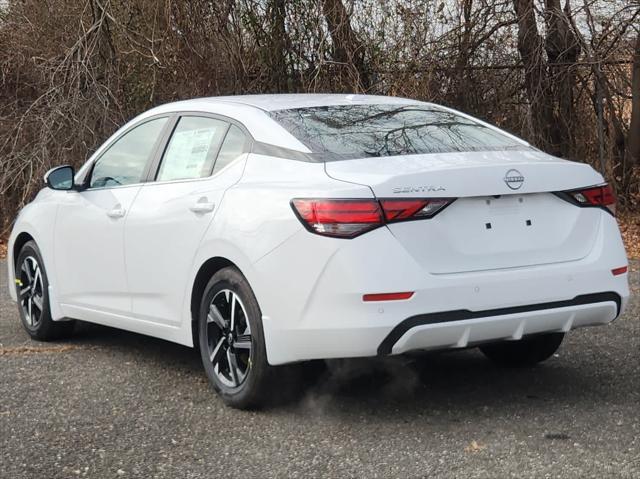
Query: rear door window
x=235, y=144
x=192, y=148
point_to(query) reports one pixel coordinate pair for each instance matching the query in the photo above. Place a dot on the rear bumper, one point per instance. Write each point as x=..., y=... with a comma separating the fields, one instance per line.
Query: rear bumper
x=313, y=309
x=459, y=329
x=420, y=333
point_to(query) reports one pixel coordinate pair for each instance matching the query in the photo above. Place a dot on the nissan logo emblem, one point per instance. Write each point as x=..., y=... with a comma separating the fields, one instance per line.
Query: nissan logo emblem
x=514, y=179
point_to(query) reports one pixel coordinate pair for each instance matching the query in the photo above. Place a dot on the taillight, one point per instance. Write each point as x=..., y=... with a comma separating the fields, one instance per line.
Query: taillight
x=338, y=218
x=348, y=218
x=600, y=196
x=398, y=210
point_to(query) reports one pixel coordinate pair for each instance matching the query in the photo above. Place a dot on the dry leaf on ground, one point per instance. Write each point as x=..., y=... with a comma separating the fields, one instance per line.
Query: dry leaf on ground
x=20, y=350
x=474, y=446
x=630, y=229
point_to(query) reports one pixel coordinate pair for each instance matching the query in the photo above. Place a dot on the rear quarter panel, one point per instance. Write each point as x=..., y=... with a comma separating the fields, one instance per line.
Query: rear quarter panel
x=255, y=217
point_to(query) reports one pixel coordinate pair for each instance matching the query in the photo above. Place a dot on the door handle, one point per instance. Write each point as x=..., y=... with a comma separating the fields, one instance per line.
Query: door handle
x=116, y=212
x=203, y=205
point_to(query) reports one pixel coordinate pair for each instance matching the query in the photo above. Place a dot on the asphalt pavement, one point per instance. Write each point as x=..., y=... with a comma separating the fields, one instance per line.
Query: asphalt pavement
x=108, y=403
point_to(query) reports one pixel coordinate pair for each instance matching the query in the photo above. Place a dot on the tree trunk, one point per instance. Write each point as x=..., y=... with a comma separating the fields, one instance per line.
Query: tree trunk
x=563, y=49
x=278, y=45
x=531, y=49
x=462, y=62
x=633, y=143
x=347, y=47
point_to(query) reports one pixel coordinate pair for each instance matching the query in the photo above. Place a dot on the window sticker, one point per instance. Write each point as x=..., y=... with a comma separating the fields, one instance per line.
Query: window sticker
x=187, y=154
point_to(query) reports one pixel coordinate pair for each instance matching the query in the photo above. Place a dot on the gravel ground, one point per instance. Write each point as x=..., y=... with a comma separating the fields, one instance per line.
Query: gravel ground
x=114, y=404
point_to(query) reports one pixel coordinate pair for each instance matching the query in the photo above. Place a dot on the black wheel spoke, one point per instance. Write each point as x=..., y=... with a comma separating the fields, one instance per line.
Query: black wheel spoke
x=243, y=341
x=216, y=354
x=27, y=270
x=216, y=318
x=36, y=277
x=37, y=301
x=233, y=366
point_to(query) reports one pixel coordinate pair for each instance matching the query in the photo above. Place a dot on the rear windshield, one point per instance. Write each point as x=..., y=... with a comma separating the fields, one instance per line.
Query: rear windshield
x=357, y=131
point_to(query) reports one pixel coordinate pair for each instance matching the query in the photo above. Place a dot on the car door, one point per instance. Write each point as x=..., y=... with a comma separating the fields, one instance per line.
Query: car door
x=203, y=158
x=89, y=228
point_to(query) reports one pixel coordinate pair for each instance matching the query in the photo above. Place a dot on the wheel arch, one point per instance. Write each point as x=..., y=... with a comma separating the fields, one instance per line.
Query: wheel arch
x=22, y=239
x=204, y=274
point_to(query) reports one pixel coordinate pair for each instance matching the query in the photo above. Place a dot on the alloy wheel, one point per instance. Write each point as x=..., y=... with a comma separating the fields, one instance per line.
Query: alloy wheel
x=229, y=338
x=31, y=291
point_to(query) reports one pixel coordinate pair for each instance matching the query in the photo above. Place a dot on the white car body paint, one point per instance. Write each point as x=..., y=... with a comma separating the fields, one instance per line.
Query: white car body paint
x=136, y=270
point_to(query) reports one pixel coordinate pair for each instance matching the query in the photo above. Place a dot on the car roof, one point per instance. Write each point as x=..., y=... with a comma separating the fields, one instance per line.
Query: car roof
x=304, y=100
x=273, y=102
x=252, y=111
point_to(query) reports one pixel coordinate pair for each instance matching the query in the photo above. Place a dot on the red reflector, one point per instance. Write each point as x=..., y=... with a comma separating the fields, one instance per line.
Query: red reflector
x=387, y=296
x=620, y=270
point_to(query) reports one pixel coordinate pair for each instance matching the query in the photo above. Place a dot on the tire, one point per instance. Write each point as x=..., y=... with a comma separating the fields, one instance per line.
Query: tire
x=525, y=352
x=32, y=289
x=234, y=356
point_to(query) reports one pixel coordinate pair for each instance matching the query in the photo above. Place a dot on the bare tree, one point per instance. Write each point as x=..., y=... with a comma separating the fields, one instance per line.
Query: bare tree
x=531, y=48
x=564, y=76
x=563, y=50
x=634, y=124
x=279, y=44
x=347, y=47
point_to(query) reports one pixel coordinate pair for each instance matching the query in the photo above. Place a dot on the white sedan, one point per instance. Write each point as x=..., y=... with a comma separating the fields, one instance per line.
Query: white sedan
x=277, y=229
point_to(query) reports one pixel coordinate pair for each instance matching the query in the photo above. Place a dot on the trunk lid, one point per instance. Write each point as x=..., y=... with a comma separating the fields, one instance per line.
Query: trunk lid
x=459, y=175
x=505, y=214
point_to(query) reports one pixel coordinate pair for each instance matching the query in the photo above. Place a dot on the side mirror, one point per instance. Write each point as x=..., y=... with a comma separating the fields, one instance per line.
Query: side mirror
x=60, y=178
